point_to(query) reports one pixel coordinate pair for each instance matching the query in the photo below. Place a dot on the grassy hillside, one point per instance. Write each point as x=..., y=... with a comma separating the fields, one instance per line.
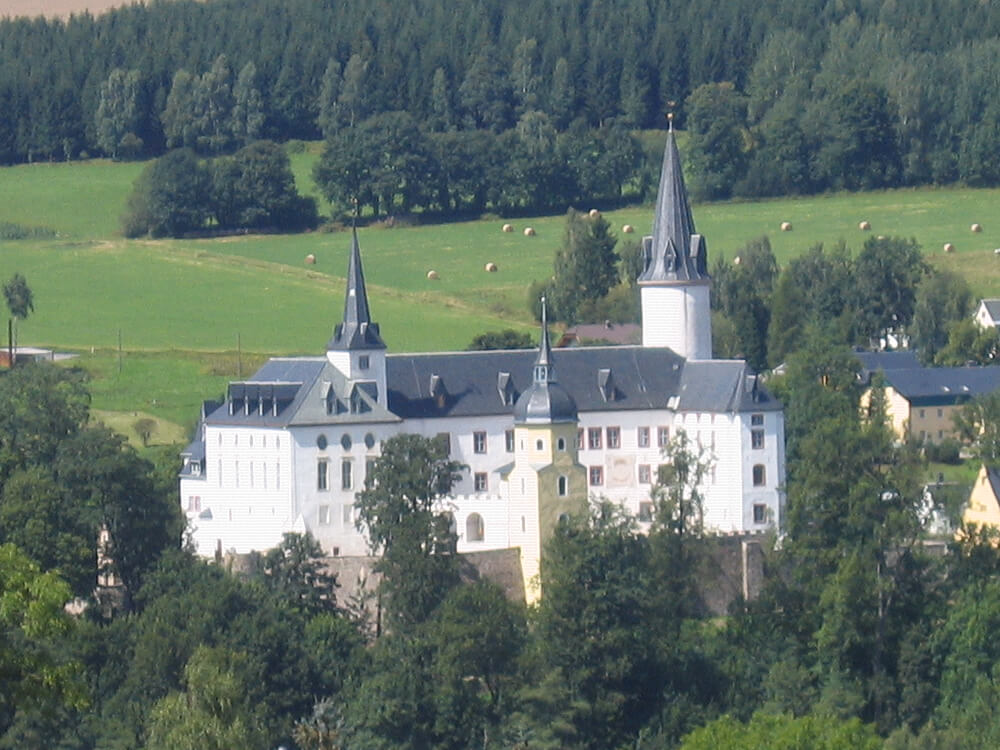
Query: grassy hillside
x=175, y=302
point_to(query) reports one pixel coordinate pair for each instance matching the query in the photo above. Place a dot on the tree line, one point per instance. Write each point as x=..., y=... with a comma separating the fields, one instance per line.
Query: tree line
x=858, y=639
x=781, y=96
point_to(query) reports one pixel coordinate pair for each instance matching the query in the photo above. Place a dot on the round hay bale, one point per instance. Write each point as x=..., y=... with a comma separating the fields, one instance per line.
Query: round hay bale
x=311, y=259
x=736, y=260
x=529, y=232
x=996, y=251
x=491, y=267
x=628, y=229
x=977, y=228
x=508, y=227
x=949, y=248
x=864, y=226
x=786, y=226
x=595, y=214
x=432, y=275
x=880, y=237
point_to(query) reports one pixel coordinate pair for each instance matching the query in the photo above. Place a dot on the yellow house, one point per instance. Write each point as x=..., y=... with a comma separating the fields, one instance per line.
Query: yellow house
x=983, y=508
x=922, y=402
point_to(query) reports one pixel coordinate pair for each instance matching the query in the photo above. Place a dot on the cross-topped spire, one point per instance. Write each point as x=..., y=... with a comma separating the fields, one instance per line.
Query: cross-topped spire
x=356, y=331
x=545, y=401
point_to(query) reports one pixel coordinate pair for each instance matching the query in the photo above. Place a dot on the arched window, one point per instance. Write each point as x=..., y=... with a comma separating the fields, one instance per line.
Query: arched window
x=759, y=475
x=563, y=486
x=474, y=530
x=561, y=444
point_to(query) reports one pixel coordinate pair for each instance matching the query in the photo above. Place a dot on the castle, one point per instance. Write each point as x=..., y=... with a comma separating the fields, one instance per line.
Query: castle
x=539, y=430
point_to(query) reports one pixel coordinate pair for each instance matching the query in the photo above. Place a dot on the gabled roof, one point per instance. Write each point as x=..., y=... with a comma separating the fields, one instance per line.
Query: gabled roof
x=309, y=390
x=993, y=475
x=992, y=306
x=942, y=386
x=643, y=377
x=674, y=252
x=872, y=362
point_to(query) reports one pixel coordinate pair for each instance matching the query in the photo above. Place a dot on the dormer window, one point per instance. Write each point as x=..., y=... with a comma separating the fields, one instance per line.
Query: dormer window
x=505, y=388
x=606, y=384
x=364, y=362
x=437, y=390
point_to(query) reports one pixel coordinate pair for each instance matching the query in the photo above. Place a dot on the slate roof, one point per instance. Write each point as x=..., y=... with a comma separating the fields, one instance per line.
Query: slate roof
x=872, y=362
x=640, y=378
x=674, y=252
x=303, y=386
x=356, y=331
x=545, y=401
x=943, y=386
x=992, y=306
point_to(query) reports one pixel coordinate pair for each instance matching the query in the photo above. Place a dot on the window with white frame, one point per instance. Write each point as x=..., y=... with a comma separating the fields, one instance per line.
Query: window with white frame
x=323, y=515
x=645, y=474
x=596, y=476
x=480, y=481
x=346, y=474
x=614, y=436
x=322, y=475
x=508, y=439
x=642, y=437
x=662, y=437
x=594, y=438
x=759, y=513
x=479, y=442
x=757, y=439
x=759, y=475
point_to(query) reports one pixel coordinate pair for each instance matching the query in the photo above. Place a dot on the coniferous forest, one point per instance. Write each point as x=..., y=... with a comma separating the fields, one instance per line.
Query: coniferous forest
x=781, y=97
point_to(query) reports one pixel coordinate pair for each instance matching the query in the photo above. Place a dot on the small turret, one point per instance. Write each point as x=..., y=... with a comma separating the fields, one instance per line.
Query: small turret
x=545, y=401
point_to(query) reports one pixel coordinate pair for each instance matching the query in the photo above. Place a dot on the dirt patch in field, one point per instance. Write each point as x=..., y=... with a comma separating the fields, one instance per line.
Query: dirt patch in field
x=56, y=8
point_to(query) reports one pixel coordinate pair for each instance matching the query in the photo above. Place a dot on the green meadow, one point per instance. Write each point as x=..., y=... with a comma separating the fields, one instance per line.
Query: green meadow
x=190, y=315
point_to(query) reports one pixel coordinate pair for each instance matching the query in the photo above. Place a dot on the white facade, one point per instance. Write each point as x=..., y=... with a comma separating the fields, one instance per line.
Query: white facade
x=291, y=447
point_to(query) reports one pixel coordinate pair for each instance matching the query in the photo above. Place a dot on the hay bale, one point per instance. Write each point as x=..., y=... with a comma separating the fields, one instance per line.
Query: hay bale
x=949, y=248
x=311, y=259
x=432, y=275
x=529, y=232
x=864, y=226
x=508, y=227
x=491, y=267
x=786, y=226
x=595, y=214
x=736, y=260
x=880, y=237
x=628, y=229
x=977, y=228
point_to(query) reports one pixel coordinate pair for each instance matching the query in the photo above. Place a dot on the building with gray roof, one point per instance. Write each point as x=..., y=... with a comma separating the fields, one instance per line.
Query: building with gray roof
x=289, y=447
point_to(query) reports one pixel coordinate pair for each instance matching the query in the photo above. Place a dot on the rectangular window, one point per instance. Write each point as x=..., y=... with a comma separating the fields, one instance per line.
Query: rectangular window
x=194, y=503
x=759, y=475
x=614, y=435
x=759, y=513
x=508, y=438
x=757, y=420
x=348, y=515
x=645, y=512
x=363, y=362
x=479, y=442
x=642, y=437
x=579, y=440
x=756, y=439
x=596, y=476
x=324, y=515
x=346, y=474
x=594, y=438
x=940, y=413
x=369, y=470
x=921, y=413
x=645, y=476
x=662, y=437
x=322, y=475
x=480, y=481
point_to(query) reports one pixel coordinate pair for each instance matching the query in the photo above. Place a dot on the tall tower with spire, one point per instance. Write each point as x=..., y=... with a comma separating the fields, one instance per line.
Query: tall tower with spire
x=356, y=348
x=674, y=285
x=546, y=481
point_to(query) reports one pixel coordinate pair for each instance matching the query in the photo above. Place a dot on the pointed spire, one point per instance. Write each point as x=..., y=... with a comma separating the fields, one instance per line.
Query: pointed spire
x=544, y=360
x=675, y=251
x=546, y=401
x=356, y=331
